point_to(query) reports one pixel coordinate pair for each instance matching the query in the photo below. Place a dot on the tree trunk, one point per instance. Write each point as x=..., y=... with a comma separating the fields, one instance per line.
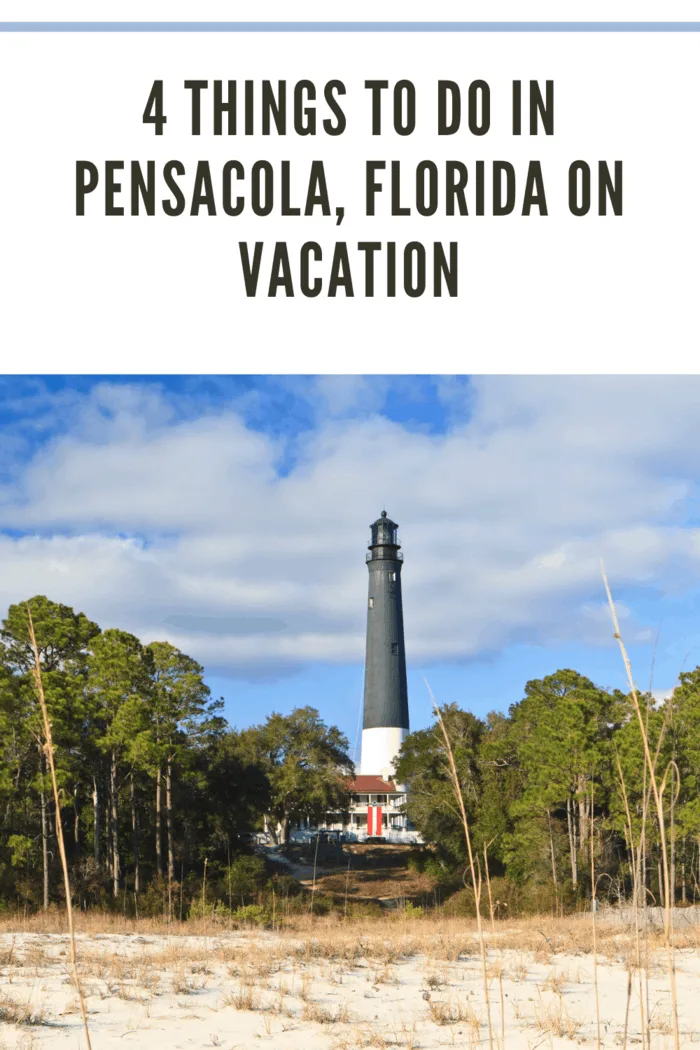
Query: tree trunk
x=285, y=830
x=109, y=852
x=271, y=829
x=135, y=838
x=684, y=895
x=18, y=777
x=116, y=872
x=159, y=839
x=96, y=823
x=643, y=869
x=169, y=818
x=44, y=830
x=572, y=844
x=672, y=867
x=76, y=821
x=551, y=849
x=583, y=819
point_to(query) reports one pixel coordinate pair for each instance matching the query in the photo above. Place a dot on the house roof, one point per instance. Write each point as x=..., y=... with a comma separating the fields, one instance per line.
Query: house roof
x=367, y=784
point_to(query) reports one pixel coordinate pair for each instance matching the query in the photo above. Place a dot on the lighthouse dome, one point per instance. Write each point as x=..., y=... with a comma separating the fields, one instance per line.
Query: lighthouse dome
x=384, y=532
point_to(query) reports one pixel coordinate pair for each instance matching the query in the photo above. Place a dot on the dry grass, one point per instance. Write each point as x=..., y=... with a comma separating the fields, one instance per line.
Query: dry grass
x=555, y=1019
x=21, y=1013
x=244, y=999
x=555, y=982
x=387, y=940
x=454, y=1011
x=382, y=984
x=321, y=1014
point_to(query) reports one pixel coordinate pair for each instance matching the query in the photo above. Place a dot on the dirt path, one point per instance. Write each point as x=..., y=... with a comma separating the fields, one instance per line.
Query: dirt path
x=303, y=873
x=367, y=873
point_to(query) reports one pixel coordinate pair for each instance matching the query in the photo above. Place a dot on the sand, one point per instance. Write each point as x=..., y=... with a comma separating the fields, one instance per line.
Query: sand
x=243, y=990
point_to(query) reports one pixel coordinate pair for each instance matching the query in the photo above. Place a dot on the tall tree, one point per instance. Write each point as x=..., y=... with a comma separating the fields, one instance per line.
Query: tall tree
x=685, y=705
x=562, y=726
x=181, y=713
x=63, y=637
x=422, y=767
x=118, y=675
x=306, y=764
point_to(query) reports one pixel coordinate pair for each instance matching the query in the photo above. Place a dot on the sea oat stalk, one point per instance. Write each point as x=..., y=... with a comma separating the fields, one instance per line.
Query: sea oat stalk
x=635, y=911
x=49, y=750
x=650, y=765
x=459, y=798
x=594, y=904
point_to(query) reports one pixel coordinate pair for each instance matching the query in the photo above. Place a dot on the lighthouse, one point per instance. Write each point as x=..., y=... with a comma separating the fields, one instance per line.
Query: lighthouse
x=377, y=808
x=385, y=721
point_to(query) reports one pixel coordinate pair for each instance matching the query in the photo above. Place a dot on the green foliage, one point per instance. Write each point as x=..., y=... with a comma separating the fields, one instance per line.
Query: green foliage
x=62, y=635
x=684, y=737
x=252, y=914
x=245, y=876
x=118, y=682
x=363, y=910
x=182, y=716
x=539, y=782
x=305, y=763
x=144, y=758
x=422, y=767
x=205, y=909
x=153, y=902
x=21, y=850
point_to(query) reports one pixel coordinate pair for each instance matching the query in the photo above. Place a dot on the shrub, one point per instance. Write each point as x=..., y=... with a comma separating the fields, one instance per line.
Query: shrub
x=200, y=909
x=252, y=913
x=153, y=901
x=245, y=877
x=364, y=910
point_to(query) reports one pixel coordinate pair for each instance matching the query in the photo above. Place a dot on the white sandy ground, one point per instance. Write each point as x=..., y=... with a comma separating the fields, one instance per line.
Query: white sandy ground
x=168, y=993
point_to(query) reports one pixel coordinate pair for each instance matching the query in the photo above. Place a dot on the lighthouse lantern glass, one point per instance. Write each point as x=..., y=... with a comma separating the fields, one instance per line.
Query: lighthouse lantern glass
x=385, y=532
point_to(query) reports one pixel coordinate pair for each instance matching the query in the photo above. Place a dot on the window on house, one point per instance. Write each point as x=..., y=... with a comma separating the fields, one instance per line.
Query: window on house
x=362, y=800
x=360, y=820
x=392, y=576
x=380, y=800
x=394, y=648
x=371, y=603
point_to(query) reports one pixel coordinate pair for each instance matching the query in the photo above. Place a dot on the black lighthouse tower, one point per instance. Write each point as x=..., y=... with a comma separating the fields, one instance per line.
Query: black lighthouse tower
x=385, y=722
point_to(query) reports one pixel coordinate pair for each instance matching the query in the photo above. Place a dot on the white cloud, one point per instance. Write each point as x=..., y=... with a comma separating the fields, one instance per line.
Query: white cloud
x=136, y=515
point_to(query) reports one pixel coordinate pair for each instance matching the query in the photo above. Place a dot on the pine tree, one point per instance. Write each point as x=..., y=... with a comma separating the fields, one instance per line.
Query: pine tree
x=118, y=680
x=306, y=765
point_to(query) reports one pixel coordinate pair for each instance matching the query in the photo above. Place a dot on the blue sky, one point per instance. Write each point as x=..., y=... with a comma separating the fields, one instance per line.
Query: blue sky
x=231, y=514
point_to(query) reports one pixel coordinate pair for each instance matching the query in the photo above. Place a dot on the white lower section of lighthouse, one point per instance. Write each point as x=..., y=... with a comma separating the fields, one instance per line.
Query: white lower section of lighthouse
x=380, y=747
